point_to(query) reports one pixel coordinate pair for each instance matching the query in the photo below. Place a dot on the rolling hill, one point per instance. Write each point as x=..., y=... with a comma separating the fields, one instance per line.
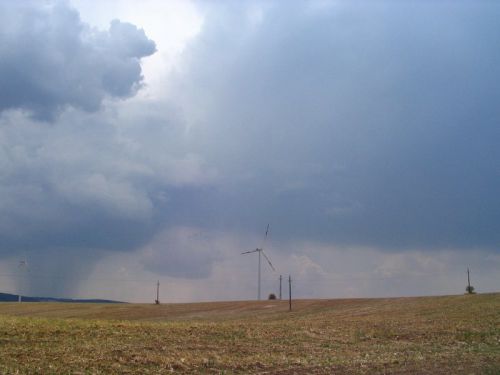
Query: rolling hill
x=6, y=297
x=418, y=335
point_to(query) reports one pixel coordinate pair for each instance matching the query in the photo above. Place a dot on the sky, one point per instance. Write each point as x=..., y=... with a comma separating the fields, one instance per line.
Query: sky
x=156, y=141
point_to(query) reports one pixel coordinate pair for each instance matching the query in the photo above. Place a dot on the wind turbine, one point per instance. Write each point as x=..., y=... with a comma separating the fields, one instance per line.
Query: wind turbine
x=260, y=251
x=23, y=265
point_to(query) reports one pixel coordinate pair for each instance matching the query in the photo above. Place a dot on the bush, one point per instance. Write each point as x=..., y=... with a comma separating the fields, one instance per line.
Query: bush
x=470, y=289
x=272, y=296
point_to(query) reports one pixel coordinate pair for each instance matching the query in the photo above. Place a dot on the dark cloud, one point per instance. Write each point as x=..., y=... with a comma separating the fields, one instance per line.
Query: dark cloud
x=91, y=184
x=50, y=59
x=86, y=183
x=369, y=124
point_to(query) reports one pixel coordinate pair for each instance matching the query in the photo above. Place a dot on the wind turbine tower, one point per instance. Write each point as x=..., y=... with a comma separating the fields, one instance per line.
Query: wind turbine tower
x=23, y=266
x=260, y=251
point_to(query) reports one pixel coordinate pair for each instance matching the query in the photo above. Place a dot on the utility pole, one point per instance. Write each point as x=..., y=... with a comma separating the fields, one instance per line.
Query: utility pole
x=23, y=265
x=469, y=289
x=258, y=289
x=468, y=280
x=281, y=277
x=157, y=301
x=289, y=293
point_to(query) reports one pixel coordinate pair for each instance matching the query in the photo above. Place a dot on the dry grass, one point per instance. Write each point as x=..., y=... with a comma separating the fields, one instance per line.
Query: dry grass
x=429, y=335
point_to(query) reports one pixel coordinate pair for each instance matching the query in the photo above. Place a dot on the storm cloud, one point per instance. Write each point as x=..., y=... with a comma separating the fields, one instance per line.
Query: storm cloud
x=366, y=134
x=52, y=60
x=363, y=124
x=100, y=176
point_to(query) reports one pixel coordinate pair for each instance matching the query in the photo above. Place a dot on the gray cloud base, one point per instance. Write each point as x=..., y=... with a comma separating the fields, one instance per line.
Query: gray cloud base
x=51, y=60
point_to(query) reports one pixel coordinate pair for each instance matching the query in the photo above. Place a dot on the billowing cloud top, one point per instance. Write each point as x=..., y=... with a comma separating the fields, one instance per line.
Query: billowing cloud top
x=51, y=60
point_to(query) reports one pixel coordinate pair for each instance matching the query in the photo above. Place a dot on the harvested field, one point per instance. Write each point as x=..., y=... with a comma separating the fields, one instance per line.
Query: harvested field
x=424, y=335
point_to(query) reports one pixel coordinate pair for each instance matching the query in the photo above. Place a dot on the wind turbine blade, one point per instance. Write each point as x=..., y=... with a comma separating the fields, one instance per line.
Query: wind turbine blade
x=23, y=264
x=251, y=251
x=265, y=237
x=268, y=261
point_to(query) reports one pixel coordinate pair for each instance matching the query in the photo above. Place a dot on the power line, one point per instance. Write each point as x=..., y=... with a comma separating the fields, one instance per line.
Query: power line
x=308, y=279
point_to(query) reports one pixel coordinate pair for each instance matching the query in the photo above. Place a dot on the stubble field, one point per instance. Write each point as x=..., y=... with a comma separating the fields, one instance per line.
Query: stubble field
x=424, y=335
